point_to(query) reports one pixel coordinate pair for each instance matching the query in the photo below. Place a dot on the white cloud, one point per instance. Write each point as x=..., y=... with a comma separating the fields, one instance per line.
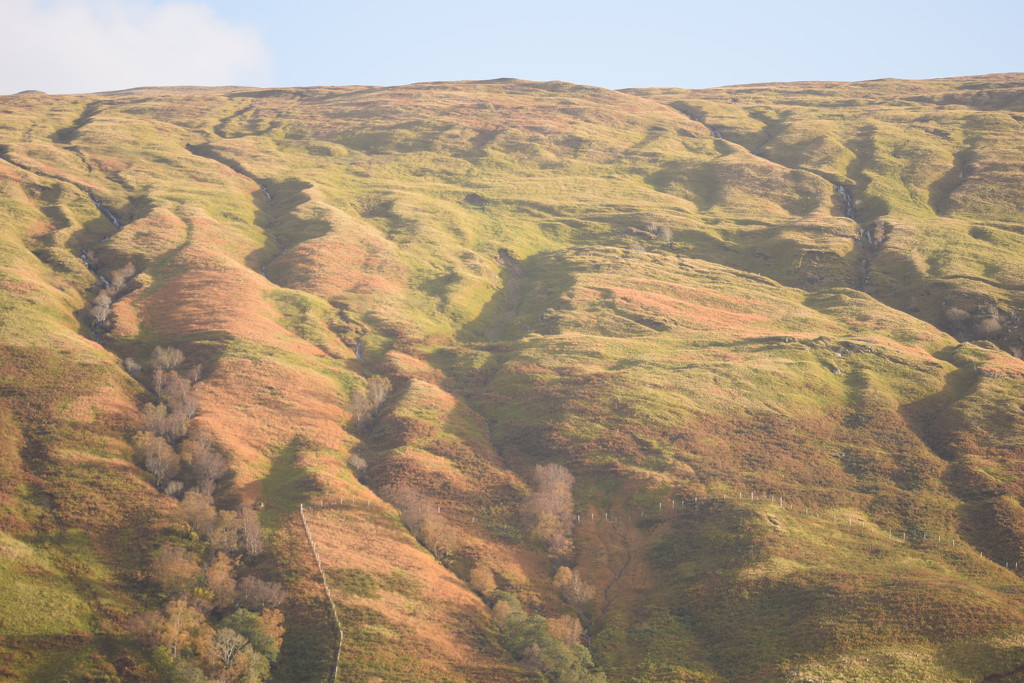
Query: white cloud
x=92, y=45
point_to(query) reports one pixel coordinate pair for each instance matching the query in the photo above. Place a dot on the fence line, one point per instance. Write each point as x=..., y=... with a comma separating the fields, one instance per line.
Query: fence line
x=327, y=590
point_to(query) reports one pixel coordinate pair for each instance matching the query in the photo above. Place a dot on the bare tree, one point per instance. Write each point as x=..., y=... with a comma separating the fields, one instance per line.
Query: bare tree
x=166, y=357
x=573, y=589
x=362, y=411
x=567, y=628
x=226, y=531
x=158, y=458
x=103, y=298
x=157, y=419
x=198, y=510
x=132, y=367
x=220, y=581
x=100, y=312
x=208, y=464
x=357, y=464
x=252, y=532
x=119, y=278
x=548, y=510
x=174, y=569
x=227, y=645
x=256, y=594
x=481, y=579
x=988, y=327
x=176, y=392
x=377, y=391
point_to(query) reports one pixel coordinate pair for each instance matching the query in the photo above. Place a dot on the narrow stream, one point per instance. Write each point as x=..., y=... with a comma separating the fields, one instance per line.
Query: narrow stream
x=848, y=208
x=107, y=213
x=84, y=254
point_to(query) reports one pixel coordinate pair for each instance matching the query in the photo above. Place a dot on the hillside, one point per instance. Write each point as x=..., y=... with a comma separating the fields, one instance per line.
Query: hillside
x=764, y=340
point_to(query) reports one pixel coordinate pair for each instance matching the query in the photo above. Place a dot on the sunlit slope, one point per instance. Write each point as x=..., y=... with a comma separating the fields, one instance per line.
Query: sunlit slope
x=770, y=329
x=933, y=169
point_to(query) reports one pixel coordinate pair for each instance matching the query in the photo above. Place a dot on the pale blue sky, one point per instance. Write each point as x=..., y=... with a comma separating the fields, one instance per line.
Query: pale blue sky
x=109, y=44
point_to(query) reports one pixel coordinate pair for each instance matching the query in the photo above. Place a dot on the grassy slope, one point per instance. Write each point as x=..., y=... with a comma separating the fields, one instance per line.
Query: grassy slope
x=734, y=361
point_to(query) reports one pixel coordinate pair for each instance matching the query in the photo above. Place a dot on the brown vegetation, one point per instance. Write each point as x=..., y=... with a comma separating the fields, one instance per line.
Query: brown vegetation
x=549, y=510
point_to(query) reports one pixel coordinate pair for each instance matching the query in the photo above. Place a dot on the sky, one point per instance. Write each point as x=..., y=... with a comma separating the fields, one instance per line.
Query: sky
x=67, y=46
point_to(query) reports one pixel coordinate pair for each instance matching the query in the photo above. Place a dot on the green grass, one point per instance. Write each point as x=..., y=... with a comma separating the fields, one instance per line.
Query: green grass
x=735, y=358
x=285, y=487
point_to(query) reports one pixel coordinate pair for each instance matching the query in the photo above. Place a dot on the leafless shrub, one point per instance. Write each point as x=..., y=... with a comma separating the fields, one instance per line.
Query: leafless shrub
x=957, y=316
x=132, y=367
x=256, y=594
x=377, y=391
x=100, y=312
x=988, y=327
x=357, y=464
x=665, y=233
x=252, y=532
x=174, y=488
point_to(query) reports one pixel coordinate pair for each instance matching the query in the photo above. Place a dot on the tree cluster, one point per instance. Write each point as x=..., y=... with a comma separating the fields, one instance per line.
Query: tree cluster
x=187, y=647
x=168, y=447
x=104, y=300
x=421, y=515
x=548, y=511
x=550, y=647
x=215, y=625
x=574, y=590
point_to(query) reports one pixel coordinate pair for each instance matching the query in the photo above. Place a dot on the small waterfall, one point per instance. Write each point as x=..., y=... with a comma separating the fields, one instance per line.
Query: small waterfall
x=107, y=213
x=359, y=349
x=84, y=255
x=266, y=194
x=848, y=208
x=715, y=133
